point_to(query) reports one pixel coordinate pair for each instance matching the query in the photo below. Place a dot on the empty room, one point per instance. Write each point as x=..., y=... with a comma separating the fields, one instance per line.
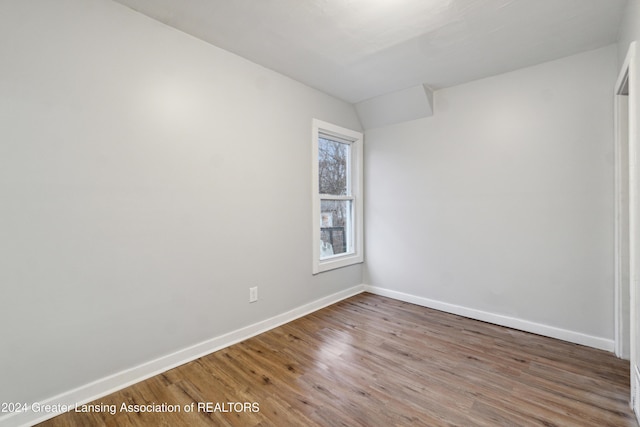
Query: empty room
x=319, y=213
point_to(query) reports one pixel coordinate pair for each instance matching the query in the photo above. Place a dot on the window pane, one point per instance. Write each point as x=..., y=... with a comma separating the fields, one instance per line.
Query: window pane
x=333, y=160
x=335, y=227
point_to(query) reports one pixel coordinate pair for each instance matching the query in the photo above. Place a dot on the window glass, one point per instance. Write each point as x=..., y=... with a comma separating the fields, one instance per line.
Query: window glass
x=335, y=227
x=333, y=161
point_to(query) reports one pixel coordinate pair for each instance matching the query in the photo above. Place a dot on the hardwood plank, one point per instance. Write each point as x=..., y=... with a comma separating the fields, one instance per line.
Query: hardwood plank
x=374, y=361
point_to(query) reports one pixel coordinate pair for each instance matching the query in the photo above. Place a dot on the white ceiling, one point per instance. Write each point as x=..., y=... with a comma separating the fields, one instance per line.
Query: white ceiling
x=358, y=49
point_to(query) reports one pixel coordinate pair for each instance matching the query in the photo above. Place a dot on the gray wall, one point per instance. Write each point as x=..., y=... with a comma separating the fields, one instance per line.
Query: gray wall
x=502, y=202
x=629, y=29
x=147, y=180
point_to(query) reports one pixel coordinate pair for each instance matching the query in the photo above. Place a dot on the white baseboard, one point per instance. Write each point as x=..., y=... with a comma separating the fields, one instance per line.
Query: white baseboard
x=498, y=319
x=107, y=385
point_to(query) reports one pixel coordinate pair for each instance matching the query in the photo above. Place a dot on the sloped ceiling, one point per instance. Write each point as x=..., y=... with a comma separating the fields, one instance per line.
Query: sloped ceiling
x=359, y=49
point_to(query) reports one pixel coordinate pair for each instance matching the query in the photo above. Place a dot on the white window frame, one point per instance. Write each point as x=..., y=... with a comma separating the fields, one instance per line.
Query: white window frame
x=355, y=140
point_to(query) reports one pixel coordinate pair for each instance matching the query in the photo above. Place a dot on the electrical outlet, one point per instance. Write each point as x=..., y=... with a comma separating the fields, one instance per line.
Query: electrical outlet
x=253, y=294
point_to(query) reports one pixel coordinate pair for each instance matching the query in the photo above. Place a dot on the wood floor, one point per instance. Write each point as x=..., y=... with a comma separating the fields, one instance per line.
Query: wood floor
x=374, y=361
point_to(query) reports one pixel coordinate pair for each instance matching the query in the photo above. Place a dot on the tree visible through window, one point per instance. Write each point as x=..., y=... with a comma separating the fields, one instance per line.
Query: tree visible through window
x=332, y=166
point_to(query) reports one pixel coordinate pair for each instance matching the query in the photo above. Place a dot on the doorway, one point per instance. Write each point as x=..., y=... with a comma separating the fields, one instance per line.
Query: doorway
x=627, y=219
x=622, y=234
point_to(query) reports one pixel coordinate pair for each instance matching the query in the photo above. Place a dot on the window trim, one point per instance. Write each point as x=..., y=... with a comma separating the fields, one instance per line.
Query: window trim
x=355, y=139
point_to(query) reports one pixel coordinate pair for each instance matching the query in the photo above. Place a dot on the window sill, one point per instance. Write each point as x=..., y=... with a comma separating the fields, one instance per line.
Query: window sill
x=336, y=262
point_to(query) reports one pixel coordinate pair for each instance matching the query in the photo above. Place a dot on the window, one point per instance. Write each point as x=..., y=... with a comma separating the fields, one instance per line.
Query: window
x=337, y=197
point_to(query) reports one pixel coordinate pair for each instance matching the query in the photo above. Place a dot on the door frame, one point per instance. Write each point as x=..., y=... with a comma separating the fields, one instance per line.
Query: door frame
x=622, y=214
x=627, y=85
